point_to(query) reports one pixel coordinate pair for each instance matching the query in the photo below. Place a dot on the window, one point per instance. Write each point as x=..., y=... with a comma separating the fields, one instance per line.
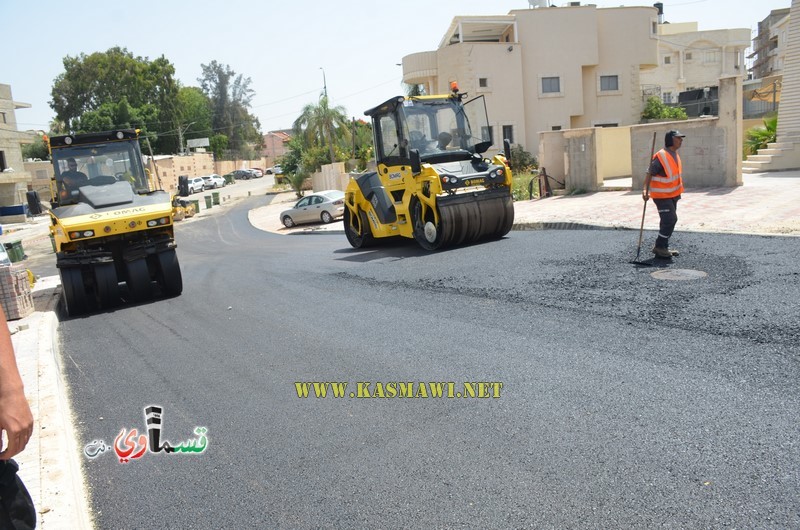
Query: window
x=388, y=132
x=688, y=56
x=609, y=83
x=666, y=97
x=483, y=82
x=711, y=57
x=555, y=128
x=667, y=59
x=2, y=161
x=508, y=133
x=551, y=85
x=3, y=117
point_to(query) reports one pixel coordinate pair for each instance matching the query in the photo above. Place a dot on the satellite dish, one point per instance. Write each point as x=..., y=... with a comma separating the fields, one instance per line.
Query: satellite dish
x=539, y=3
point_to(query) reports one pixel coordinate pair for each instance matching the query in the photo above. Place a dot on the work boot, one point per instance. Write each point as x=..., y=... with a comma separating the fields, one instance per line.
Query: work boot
x=674, y=252
x=662, y=252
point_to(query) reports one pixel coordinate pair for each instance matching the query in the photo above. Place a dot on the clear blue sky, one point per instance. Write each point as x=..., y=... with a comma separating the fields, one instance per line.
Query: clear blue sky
x=281, y=46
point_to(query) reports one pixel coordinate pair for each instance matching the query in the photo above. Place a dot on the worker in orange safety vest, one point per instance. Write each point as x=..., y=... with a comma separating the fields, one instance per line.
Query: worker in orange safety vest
x=664, y=184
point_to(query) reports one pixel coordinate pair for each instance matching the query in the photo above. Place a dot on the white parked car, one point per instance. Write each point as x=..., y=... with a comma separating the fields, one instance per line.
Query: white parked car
x=196, y=184
x=214, y=181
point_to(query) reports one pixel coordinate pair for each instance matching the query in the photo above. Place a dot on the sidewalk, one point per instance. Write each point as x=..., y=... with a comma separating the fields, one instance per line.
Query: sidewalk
x=767, y=203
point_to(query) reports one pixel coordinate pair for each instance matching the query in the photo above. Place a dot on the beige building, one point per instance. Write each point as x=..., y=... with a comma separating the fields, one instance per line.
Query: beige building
x=532, y=80
x=14, y=179
x=691, y=59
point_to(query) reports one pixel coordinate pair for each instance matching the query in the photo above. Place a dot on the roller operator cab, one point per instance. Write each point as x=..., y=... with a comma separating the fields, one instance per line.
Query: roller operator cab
x=433, y=182
x=112, y=229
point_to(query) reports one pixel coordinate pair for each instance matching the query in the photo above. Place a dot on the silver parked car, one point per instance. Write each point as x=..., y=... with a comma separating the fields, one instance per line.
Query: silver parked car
x=322, y=206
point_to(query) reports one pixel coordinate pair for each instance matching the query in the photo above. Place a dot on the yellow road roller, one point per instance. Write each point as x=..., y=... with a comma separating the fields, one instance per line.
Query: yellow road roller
x=111, y=225
x=433, y=182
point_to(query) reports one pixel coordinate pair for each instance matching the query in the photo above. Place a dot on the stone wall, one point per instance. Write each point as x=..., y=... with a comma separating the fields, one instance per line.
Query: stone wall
x=711, y=153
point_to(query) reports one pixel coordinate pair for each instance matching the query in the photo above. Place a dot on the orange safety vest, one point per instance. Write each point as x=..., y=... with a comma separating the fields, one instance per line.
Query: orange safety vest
x=671, y=185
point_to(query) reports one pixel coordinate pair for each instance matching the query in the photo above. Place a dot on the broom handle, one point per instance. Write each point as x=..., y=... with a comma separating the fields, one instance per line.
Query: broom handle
x=644, y=209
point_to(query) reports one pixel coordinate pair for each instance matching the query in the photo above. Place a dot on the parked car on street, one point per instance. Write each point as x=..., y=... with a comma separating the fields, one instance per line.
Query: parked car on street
x=322, y=206
x=276, y=169
x=196, y=184
x=242, y=174
x=214, y=181
x=257, y=171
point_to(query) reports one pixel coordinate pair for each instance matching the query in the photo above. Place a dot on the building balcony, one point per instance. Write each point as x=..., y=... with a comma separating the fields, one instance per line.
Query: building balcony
x=419, y=67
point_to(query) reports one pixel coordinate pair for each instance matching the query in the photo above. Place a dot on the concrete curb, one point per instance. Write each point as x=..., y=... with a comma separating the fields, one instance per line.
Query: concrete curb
x=50, y=464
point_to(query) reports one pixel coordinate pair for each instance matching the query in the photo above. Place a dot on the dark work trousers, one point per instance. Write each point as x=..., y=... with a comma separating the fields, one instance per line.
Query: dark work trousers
x=668, y=211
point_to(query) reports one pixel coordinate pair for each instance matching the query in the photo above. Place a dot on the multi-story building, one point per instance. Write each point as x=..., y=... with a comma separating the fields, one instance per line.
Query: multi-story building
x=13, y=177
x=769, y=45
x=691, y=59
x=762, y=92
x=545, y=69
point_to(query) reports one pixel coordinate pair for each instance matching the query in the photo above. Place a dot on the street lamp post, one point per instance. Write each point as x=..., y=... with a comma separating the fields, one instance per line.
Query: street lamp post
x=180, y=136
x=324, y=83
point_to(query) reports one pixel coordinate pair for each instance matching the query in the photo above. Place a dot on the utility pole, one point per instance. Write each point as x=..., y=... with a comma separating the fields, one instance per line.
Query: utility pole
x=324, y=83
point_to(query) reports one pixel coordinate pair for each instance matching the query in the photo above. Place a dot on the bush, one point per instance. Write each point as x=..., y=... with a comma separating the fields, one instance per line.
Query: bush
x=655, y=109
x=521, y=160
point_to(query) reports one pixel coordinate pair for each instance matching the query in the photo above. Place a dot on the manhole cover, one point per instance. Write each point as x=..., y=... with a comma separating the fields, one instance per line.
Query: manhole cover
x=678, y=274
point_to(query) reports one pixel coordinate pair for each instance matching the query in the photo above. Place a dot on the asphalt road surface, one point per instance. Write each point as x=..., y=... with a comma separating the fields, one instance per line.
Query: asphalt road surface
x=626, y=400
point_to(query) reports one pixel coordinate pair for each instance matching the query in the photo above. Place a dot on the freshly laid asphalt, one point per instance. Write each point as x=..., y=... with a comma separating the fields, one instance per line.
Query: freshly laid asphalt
x=766, y=204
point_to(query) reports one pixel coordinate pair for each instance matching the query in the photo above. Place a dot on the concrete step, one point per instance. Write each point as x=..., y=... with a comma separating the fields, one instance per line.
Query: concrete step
x=783, y=146
x=755, y=164
x=761, y=158
x=774, y=152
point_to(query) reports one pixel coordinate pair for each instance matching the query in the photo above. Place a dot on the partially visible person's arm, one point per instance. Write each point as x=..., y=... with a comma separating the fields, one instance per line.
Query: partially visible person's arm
x=16, y=419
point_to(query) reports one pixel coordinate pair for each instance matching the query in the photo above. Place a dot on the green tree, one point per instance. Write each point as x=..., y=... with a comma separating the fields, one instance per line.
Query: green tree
x=655, y=109
x=194, y=116
x=363, y=142
x=230, y=96
x=92, y=83
x=758, y=137
x=218, y=145
x=322, y=125
x=291, y=159
x=37, y=149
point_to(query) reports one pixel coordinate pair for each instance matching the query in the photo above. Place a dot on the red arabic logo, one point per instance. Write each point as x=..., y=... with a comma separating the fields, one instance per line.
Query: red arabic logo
x=133, y=445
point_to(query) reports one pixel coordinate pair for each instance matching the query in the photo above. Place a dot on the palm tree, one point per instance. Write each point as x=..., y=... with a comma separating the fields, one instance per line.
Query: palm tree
x=758, y=137
x=319, y=124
